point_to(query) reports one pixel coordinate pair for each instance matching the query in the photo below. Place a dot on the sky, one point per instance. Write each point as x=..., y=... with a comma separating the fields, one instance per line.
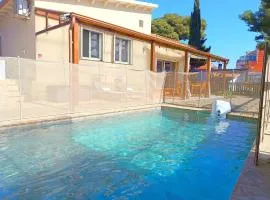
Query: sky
x=226, y=33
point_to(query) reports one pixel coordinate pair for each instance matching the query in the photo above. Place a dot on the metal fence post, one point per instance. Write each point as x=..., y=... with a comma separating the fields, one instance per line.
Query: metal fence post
x=200, y=93
x=69, y=89
x=232, y=88
x=146, y=87
x=20, y=87
x=175, y=86
x=126, y=99
x=260, y=115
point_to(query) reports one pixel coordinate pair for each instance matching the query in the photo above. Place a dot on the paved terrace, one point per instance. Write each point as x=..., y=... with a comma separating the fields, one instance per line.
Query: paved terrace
x=241, y=105
x=254, y=182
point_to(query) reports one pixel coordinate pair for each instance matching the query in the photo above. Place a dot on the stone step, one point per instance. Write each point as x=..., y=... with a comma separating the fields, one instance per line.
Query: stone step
x=8, y=82
x=9, y=100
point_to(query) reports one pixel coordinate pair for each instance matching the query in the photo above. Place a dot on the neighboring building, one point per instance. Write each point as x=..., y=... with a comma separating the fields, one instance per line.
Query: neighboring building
x=252, y=61
x=115, y=32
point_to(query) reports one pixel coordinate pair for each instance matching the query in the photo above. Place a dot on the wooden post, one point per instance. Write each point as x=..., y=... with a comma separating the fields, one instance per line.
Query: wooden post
x=153, y=57
x=208, y=77
x=185, y=78
x=224, y=77
x=75, y=61
x=46, y=20
x=224, y=65
x=186, y=67
x=75, y=43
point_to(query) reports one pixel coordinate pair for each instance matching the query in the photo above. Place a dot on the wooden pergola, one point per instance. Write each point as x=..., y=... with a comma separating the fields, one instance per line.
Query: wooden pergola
x=188, y=51
x=76, y=19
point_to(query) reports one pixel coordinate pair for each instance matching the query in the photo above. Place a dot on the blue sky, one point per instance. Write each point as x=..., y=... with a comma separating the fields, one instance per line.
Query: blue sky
x=226, y=33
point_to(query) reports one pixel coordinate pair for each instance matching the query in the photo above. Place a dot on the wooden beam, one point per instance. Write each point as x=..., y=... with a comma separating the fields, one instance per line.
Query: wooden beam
x=49, y=11
x=52, y=28
x=128, y=32
x=153, y=57
x=47, y=21
x=50, y=15
x=146, y=37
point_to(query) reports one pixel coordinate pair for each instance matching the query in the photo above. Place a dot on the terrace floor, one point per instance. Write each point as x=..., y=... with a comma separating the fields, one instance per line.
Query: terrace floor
x=254, y=182
x=240, y=104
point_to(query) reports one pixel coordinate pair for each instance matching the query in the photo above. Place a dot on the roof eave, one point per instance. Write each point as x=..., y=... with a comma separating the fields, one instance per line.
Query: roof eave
x=143, y=36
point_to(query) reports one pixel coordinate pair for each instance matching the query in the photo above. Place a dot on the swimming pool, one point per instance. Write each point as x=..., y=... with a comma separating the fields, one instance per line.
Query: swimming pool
x=155, y=154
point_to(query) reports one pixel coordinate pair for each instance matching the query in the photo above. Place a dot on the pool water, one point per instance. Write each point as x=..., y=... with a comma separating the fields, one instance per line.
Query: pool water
x=157, y=154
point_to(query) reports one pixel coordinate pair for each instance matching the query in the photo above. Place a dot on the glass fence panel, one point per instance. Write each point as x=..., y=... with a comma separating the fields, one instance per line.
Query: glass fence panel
x=10, y=90
x=31, y=89
x=45, y=88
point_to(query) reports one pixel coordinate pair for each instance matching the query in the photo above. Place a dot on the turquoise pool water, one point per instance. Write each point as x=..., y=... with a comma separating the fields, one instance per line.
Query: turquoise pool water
x=158, y=154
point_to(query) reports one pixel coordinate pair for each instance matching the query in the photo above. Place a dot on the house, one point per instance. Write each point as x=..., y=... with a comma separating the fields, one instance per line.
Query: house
x=111, y=32
x=252, y=61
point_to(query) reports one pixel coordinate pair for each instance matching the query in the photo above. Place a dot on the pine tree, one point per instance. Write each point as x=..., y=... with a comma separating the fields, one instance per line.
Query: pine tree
x=195, y=38
x=259, y=22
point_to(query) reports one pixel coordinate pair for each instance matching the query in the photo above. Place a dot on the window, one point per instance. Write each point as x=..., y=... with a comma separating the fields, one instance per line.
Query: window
x=141, y=23
x=22, y=8
x=168, y=66
x=91, y=44
x=159, y=66
x=165, y=66
x=122, y=50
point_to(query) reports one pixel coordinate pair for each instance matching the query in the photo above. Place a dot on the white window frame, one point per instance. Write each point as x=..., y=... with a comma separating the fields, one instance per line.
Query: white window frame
x=129, y=55
x=100, y=44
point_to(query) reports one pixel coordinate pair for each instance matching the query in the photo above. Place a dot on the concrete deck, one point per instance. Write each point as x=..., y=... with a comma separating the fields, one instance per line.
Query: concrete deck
x=240, y=104
x=79, y=115
x=254, y=182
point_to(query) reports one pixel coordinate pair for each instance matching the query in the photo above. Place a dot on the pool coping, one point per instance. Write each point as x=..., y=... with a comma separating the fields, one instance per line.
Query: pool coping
x=103, y=113
x=251, y=183
x=50, y=120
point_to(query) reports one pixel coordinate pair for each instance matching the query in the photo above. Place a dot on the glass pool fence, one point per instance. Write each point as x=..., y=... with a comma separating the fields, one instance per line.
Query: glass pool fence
x=31, y=89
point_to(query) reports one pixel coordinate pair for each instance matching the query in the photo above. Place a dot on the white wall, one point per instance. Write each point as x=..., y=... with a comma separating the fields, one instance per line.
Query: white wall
x=122, y=16
x=176, y=56
x=52, y=45
x=140, y=52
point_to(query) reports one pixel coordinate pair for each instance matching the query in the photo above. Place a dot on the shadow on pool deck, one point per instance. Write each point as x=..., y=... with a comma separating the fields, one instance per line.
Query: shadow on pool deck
x=254, y=182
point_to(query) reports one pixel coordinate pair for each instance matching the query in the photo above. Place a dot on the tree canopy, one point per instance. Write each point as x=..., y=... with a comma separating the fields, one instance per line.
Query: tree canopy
x=174, y=26
x=259, y=22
